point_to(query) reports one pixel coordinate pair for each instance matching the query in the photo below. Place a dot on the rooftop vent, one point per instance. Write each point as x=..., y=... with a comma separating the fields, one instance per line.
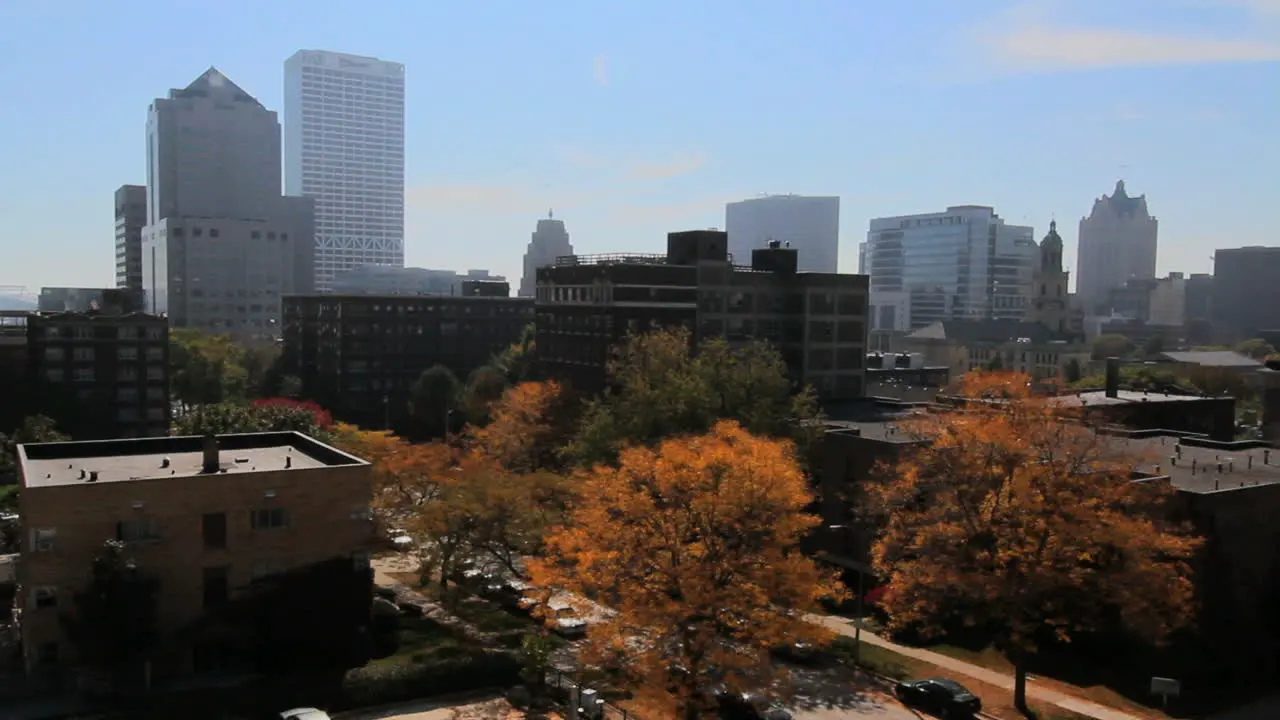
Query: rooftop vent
x=211, y=461
x=93, y=476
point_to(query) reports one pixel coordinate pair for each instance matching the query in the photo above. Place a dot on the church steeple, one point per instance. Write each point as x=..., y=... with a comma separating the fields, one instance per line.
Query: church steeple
x=1051, y=249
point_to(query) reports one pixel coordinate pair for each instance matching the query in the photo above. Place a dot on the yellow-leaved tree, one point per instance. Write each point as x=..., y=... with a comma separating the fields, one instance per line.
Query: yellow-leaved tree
x=695, y=543
x=1018, y=518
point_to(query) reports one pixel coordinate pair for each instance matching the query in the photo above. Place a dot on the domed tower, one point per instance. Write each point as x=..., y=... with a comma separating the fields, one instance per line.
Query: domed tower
x=1049, y=305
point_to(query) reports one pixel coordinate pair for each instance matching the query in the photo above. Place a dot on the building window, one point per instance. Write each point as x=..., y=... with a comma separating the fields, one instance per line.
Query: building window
x=127, y=394
x=155, y=353
x=213, y=232
x=54, y=375
x=154, y=414
x=127, y=374
x=266, y=568
x=47, y=654
x=214, y=528
x=44, y=596
x=82, y=333
x=153, y=392
x=155, y=372
x=82, y=354
x=155, y=333
x=43, y=539
x=217, y=588
x=127, y=353
x=54, y=354
x=137, y=530
x=269, y=518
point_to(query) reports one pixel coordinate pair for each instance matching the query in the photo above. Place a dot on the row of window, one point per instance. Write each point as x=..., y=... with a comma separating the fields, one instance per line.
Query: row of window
x=89, y=374
x=88, y=354
x=118, y=332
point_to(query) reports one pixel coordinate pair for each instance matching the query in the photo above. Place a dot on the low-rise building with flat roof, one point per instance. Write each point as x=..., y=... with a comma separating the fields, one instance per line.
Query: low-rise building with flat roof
x=204, y=517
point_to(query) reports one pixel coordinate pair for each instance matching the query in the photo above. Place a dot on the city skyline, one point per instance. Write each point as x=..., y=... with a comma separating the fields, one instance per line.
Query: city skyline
x=516, y=125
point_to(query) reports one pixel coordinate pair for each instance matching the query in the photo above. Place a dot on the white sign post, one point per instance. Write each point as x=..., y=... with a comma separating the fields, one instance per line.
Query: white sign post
x=1165, y=688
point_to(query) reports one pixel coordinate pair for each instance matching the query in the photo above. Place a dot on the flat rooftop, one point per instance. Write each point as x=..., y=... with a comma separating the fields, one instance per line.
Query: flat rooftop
x=1240, y=468
x=113, y=461
x=1095, y=398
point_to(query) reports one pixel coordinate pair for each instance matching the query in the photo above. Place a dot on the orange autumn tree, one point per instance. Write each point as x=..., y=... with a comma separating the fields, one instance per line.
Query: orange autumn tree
x=1018, y=519
x=525, y=427
x=405, y=475
x=696, y=545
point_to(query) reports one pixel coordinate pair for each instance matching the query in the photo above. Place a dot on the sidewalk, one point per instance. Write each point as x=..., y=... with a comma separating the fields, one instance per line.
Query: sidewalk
x=844, y=626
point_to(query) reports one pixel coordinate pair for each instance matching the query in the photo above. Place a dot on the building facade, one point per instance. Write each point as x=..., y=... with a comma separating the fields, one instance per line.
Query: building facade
x=389, y=280
x=131, y=217
x=1117, y=243
x=1030, y=348
x=808, y=224
x=1168, y=302
x=204, y=517
x=114, y=301
x=1246, y=293
x=359, y=355
x=221, y=245
x=100, y=376
x=586, y=305
x=965, y=263
x=549, y=241
x=344, y=147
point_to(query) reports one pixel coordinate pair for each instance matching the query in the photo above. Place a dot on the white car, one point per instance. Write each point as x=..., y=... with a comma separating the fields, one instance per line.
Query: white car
x=304, y=714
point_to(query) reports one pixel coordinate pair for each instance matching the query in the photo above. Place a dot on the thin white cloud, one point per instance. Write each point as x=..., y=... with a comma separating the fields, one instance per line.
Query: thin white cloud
x=1029, y=40
x=600, y=70
x=667, y=170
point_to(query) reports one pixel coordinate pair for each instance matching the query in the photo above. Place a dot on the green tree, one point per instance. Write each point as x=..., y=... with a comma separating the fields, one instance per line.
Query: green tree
x=34, y=429
x=261, y=362
x=1071, y=371
x=1256, y=348
x=433, y=401
x=1111, y=345
x=290, y=386
x=662, y=388
x=206, y=369
x=1154, y=345
x=517, y=360
x=270, y=415
x=113, y=622
x=485, y=386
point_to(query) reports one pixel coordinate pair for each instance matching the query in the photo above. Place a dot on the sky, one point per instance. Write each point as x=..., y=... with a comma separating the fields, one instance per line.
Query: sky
x=633, y=119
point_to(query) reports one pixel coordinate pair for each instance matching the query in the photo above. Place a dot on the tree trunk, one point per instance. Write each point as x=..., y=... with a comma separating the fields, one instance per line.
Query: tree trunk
x=1020, y=687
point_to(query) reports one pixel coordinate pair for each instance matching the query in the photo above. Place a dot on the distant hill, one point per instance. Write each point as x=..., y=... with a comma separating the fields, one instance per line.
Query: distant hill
x=15, y=302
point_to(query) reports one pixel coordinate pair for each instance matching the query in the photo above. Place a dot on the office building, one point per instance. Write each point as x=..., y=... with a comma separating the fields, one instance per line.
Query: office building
x=99, y=375
x=204, y=517
x=358, y=355
x=810, y=225
x=549, y=241
x=1246, y=293
x=1026, y=347
x=389, y=280
x=344, y=147
x=1117, y=243
x=1167, y=304
x=587, y=304
x=131, y=217
x=965, y=263
x=221, y=245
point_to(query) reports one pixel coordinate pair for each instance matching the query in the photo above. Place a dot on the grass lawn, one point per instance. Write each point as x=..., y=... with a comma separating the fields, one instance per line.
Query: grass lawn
x=1101, y=694
x=422, y=641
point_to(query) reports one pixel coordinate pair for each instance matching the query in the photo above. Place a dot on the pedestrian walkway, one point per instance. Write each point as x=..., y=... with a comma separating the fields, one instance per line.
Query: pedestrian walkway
x=844, y=626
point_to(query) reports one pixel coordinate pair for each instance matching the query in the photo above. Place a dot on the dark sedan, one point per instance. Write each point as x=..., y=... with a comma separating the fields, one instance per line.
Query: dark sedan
x=748, y=706
x=944, y=698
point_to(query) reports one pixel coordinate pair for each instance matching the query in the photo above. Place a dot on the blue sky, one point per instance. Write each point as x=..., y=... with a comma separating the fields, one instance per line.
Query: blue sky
x=631, y=119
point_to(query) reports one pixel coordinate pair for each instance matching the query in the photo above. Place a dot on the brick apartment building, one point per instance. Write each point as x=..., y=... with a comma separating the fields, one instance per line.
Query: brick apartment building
x=358, y=355
x=587, y=304
x=100, y=375
x=203, y=516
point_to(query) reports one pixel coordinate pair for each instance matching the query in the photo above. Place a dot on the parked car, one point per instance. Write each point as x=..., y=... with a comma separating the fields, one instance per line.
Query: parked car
x=800, y=653
x=748, y=706
x=940, y=696
x=304, y=714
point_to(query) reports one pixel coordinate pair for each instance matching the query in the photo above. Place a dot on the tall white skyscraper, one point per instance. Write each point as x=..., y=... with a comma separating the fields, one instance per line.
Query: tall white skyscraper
x=810, y=224
x=344, y=146
x=549, y=241
x=965, y=263
x=1117, y=243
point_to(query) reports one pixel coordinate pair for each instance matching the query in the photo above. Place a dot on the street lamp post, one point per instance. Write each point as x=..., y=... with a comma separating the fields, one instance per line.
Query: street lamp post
x=857, y=622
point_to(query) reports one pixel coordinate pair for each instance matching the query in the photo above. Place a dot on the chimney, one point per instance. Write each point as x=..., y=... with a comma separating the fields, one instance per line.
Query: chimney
x=1113, y=377
x=211, y=463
